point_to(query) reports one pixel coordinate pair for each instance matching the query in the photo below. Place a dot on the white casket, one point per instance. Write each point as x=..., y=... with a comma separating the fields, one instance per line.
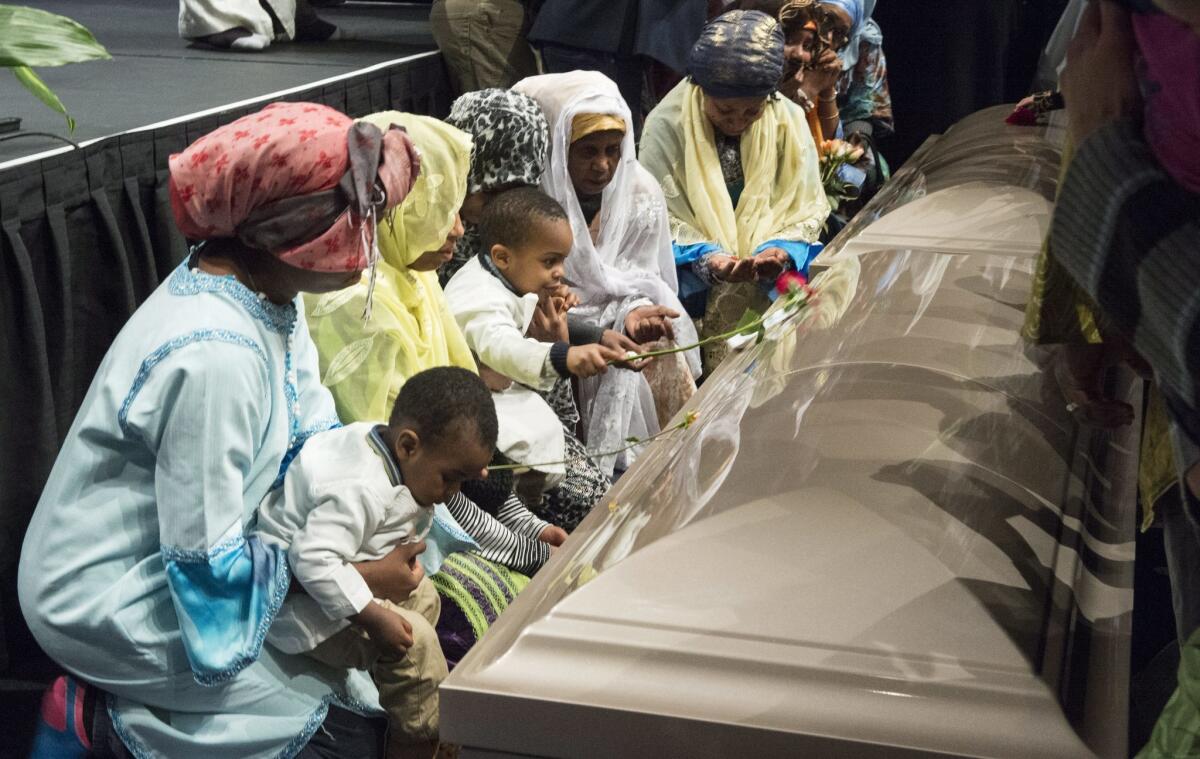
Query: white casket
x=883, y=536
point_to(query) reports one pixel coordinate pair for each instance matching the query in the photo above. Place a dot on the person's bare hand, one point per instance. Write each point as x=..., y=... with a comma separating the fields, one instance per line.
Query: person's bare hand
x=793, y=84
x=624, y=345
x=1099, y=84
x=769, y=264
x=389, y=631
x=395, y=576
x=549, y=322
x=649, y=323
x=822, y=75
x=729, y=269
x=553, y=535
x=567, y=299
x=590, y=360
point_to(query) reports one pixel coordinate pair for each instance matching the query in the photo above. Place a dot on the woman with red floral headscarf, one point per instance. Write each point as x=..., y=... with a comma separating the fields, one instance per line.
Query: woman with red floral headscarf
x=138, y=573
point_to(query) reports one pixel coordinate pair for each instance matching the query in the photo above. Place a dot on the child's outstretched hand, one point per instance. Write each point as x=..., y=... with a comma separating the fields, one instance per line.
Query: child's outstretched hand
x=553, y=535
x=623, y=345
x=387, y=629
x=590, y=360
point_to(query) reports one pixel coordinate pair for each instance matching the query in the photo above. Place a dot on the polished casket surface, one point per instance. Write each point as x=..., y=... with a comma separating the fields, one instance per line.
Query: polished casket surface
x=883, y=534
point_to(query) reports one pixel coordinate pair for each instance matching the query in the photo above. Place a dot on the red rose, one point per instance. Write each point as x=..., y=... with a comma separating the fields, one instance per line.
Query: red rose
x=790, y=281
x=1022, y=117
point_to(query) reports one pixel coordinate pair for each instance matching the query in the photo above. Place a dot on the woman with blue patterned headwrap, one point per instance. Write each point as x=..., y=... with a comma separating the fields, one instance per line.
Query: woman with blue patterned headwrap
x=739, y=170
x=863, y=100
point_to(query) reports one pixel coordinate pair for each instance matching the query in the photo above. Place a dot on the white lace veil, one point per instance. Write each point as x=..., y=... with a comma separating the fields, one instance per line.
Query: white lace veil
x=633, y=257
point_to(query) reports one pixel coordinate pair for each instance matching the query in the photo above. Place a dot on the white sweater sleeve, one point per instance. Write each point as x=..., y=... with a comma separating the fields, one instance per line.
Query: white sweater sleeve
x=322, y=550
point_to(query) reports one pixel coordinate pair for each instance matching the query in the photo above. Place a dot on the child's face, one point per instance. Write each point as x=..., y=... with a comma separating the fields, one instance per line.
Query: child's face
x=538, y=265
x=433, y=473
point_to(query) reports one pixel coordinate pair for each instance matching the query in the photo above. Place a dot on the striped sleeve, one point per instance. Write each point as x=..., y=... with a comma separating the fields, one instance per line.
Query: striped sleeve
x=497, y=542
x=1130, y=236
x=519, y=519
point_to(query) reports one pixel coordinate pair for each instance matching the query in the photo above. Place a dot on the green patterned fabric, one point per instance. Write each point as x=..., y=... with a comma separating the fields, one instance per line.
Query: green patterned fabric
x=1177, y=732
x=481, y=589
x=1058, y=310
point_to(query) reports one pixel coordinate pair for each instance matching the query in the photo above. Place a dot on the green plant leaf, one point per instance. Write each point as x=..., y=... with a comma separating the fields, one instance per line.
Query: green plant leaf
x=31, y=37
x=748, y=319
x=34, y=84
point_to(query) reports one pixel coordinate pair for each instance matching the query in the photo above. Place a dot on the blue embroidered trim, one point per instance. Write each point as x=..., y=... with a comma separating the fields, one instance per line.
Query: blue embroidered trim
x=293, y=746
x=356, y=706
x=454, y=529
x=164, y=350
x=187, y=281
x=318, y=717
x=324, y=425
x=310, y=728
x=135, y=746
x=197, y=556
x=283, y=580
x=291, y=397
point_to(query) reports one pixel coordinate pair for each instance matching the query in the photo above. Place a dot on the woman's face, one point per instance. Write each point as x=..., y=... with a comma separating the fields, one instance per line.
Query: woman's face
x=732, y=116
x=431, y=260
x=798, y=51
x=592, y=161
x=838, y=25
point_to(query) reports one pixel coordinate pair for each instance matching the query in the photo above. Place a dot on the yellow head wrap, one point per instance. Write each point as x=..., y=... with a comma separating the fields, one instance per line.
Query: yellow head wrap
x=411, y=329
x=589, y=123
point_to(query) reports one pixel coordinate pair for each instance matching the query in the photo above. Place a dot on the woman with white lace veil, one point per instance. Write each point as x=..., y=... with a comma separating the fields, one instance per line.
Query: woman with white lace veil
x=622, y=264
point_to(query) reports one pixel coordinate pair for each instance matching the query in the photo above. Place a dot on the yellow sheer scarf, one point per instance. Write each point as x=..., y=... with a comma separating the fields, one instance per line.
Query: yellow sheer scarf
x=364, y=364
x=783, y=198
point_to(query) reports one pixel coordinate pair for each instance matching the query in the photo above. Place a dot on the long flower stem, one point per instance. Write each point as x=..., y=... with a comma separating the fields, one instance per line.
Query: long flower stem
x=744, y=329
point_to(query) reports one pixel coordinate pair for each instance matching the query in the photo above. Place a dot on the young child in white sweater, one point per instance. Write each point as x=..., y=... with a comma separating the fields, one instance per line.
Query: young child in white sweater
x=352, y=495
x=507, y=301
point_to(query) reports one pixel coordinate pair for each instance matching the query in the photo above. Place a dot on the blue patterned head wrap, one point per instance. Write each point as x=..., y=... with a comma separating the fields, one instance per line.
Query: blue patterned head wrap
x=738, y=55
x=854, y=9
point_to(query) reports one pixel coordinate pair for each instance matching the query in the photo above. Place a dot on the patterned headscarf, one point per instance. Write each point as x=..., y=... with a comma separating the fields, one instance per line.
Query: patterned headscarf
x=510, y=135
x=298, y=180
x=863, y=29
x=853, y=9
x=738, y=55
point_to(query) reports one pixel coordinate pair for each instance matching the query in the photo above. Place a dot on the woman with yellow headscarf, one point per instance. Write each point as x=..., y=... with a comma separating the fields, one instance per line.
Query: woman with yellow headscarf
x=364, y=363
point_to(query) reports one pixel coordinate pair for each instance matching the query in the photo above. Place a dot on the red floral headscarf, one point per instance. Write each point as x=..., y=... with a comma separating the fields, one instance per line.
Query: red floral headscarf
x=299, y=180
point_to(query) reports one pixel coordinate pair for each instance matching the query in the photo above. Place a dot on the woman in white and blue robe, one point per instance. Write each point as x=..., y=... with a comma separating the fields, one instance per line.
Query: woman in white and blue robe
x=137, y=574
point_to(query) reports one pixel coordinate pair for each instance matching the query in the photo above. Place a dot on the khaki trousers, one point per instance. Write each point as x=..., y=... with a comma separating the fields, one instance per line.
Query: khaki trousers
x=408, y=686
x=482, y=42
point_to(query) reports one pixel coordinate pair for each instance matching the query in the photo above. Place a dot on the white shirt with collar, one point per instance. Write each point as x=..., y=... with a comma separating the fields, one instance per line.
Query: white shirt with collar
x=494, y=319
x=343, y=501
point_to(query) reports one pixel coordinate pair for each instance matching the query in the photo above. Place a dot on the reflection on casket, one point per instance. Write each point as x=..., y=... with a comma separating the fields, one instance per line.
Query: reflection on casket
x=883, y=536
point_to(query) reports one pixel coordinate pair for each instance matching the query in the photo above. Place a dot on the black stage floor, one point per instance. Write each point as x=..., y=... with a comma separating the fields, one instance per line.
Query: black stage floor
x=155, y=76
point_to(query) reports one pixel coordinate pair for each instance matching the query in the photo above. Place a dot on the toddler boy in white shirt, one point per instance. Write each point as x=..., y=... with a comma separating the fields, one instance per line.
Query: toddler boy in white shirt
x=353, y=494
x=525, y=240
